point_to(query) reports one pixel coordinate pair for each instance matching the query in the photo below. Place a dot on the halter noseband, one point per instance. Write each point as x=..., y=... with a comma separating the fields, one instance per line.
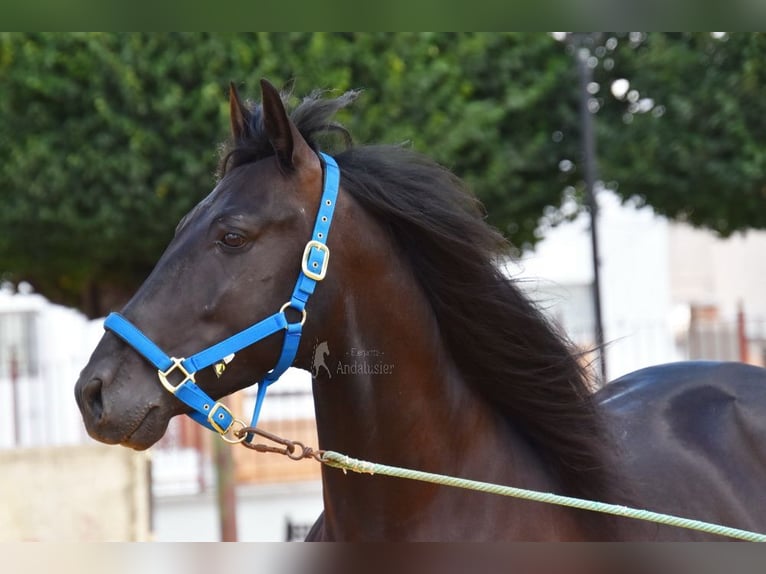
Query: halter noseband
x=205, y=410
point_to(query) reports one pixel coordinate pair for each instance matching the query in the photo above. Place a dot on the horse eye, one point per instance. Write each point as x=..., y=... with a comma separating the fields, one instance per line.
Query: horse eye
x=233, y=240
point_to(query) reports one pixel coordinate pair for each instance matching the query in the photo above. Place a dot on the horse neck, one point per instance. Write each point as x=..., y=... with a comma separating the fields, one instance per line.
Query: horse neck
x=413, y=410
x=391, y=392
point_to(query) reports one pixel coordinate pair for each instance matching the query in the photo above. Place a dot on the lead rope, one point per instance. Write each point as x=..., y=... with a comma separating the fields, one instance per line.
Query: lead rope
x=296, y=450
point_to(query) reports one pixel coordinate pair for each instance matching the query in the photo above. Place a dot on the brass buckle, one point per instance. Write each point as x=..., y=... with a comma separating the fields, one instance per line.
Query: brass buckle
x=177, y=364
x=315, y=275
x=211, y=418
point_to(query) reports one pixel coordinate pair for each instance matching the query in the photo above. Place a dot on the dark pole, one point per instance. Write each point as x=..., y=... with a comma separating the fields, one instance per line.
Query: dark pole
x=591, y=174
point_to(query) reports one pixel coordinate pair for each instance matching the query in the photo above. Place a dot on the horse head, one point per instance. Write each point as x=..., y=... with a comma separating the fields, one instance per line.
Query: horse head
x=233, y=260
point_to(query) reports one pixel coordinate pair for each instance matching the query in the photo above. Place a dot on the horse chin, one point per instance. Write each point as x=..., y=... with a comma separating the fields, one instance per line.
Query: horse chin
x=148, y=432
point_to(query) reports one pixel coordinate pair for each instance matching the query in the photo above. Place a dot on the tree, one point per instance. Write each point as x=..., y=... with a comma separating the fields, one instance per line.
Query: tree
x=111, y=138
x=687, y=138
x=108, y=139
x=96, y=174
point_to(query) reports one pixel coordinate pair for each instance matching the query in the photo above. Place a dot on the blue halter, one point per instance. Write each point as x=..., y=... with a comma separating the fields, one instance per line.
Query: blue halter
x=206, y=411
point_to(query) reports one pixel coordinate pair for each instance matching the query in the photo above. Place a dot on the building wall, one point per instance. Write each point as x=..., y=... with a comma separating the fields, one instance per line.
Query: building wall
x=43, y=399
x=654, y=274
x=635, y=283
x=709, y=270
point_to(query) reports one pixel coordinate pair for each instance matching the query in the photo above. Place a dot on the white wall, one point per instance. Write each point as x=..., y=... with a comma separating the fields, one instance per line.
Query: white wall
x=709, y=270
x=635, y=280
x=48, y=414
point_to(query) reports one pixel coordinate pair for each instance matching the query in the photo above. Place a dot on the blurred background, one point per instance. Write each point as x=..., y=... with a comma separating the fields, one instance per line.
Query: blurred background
x=627, y=170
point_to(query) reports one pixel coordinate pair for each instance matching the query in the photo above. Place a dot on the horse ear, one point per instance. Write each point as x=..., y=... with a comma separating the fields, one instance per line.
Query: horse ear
x=292, y=150
x=238, y=114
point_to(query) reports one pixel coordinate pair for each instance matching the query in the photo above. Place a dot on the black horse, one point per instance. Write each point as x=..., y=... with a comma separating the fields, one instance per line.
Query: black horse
x=477, y=384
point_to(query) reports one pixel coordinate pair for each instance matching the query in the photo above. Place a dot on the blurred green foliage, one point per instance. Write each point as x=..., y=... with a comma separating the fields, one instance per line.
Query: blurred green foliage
x=108, y=139
x=693, y=144
x=485, y=15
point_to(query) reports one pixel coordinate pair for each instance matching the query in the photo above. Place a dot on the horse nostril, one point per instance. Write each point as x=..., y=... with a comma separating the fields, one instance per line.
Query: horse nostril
x=92, y=398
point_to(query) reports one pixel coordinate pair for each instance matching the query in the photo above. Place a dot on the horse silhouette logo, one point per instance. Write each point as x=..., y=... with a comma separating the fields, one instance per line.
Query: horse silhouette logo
x=321, y=350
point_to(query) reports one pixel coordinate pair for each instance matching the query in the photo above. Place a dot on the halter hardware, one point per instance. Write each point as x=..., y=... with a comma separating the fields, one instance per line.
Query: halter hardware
x=177, y=364
x=211, y=418
x=288, y=305
x=212, y=414
x=322, y=267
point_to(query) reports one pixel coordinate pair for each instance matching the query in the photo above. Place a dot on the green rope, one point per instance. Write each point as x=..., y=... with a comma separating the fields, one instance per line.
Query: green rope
x=345, y=463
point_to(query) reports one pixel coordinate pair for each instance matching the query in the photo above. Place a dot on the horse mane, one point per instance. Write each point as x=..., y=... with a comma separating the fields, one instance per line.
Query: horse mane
x=501, y=342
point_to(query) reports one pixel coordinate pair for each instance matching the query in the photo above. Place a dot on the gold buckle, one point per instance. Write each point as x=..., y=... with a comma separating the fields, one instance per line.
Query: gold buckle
x=177, y=364
x=210, y=418
x=315, y=275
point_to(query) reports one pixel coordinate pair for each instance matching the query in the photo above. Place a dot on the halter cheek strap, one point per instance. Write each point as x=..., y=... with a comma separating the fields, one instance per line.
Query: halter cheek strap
x=205, y=410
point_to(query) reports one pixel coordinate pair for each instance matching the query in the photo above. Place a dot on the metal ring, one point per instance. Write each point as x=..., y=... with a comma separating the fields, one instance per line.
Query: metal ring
x=238, y=438
x=286, y=305
x=298, y=451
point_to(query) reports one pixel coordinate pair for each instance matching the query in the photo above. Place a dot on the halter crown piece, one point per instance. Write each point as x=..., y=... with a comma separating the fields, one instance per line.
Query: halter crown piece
x=205, y=410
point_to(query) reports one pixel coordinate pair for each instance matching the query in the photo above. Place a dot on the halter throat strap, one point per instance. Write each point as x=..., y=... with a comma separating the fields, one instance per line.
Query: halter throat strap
x=209, y=413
